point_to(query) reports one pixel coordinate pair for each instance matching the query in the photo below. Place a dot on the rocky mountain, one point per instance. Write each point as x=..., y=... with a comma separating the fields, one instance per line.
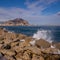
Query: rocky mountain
x=16, y=22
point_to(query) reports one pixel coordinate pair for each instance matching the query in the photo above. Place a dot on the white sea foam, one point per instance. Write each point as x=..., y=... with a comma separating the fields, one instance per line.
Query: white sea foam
x=22, y=40
x=32, y=42
x=43, y=34
x=52, y=46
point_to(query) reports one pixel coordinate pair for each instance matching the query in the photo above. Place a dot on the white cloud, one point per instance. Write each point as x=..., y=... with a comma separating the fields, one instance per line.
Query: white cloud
x=32, y=13
x=58, y=13
x=38, y=5
x=11, y=13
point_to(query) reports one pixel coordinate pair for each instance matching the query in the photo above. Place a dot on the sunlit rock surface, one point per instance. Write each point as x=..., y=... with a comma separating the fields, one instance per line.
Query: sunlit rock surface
x=21, y=47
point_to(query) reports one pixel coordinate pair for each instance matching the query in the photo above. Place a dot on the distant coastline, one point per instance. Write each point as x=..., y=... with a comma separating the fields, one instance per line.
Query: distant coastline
x=20, y=22
x=15, y=22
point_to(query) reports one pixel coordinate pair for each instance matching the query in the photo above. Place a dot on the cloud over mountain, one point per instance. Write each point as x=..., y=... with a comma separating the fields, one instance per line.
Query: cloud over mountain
x=34, y=12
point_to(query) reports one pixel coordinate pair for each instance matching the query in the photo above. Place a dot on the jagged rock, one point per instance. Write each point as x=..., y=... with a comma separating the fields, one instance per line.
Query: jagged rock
x=10, y=53
x=57, y=45
x=24, y=44
x=16, y=40
x=17, y=49
x=51, y=57
x=51, y=51
x=10, y=35
x=19, y=56
x=1, y=31
x=7, y=41
x=42, y=43
x=33, y=49
x=34, y=58
x=26, y=56
x=14, y=44
x=28, y=39
x=41, y=58
x=9, y=57
x=3, y=58
x=21, y=36
x=1, y=42
x=3, y=51
x=1, y=46
x=7, y=47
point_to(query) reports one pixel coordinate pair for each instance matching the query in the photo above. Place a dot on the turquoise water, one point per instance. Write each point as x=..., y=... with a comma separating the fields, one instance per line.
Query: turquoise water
x=31, y=30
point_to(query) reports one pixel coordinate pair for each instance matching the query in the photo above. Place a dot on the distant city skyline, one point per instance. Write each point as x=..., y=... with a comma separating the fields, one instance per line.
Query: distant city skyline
x=39, y=12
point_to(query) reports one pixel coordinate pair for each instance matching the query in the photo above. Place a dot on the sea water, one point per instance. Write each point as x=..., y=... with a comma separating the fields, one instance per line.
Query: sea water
x=48, y=33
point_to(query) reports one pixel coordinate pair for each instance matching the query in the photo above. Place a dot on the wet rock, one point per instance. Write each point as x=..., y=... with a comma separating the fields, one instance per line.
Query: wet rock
x=42, y=43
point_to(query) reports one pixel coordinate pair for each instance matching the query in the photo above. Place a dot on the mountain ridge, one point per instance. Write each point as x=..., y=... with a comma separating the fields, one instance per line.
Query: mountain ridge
x=15, y=22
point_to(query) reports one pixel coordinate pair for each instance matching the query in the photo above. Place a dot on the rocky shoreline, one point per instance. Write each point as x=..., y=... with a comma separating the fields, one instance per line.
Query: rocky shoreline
x=15, y=46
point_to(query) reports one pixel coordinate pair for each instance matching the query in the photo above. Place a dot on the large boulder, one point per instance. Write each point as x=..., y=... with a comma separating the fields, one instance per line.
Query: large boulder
x=8, y=52
x=42, y=43
x=9, y=57
x=10, y=35
x=21, y=36
x=57, y=45
x=33, y=49
x=51, y=51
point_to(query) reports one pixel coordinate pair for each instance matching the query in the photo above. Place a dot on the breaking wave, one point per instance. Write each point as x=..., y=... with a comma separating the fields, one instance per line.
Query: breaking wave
x=44, y=34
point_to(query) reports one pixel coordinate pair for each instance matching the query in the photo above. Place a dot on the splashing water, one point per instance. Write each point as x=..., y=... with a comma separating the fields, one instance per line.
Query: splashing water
x=43, y=34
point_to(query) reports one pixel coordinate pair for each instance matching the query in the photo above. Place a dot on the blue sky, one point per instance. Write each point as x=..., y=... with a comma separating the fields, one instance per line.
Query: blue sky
x=41, y=12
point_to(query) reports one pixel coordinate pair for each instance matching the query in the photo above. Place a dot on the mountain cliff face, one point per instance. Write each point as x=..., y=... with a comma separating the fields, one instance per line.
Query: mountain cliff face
x=16, y=22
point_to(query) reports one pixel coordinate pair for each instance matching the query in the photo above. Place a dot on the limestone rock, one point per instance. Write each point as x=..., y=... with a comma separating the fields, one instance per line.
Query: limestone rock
x=21, y=36
x=14, y=44
x=41, y=58
x=17, y=49
x=42, y=43
x=51, y=51
x=7, y=41
x=10, y=53
x=57, y=45
x=26, y=56
x=33, y=49
x=9, y=57
x=19, y=56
